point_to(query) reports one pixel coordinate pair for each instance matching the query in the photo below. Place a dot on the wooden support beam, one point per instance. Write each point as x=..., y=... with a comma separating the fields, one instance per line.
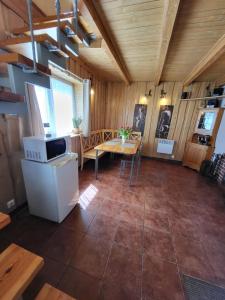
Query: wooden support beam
x=169, y=16
x=211, y=56
x=96, y=15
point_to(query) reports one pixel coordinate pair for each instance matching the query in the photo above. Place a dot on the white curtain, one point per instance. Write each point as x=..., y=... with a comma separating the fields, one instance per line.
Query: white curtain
x=34, y=114
x=86, y=124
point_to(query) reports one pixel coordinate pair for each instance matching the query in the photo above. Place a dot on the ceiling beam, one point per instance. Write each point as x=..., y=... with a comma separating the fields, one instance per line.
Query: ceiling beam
x=211, y=56
x=169, y=16
x=110, y=43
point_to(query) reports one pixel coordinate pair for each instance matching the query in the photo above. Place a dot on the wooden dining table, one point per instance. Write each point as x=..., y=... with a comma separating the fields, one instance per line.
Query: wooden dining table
x=130, y=147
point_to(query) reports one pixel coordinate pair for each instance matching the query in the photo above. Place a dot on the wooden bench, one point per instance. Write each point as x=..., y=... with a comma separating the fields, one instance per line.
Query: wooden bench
x=48, y=292
x=4, y=220
x=18, y=267
x=88, y=144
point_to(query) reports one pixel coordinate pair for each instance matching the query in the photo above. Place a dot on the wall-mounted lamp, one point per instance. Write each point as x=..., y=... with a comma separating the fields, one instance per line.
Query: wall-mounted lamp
x=149, y=93
x=92, y=91
x=163, y=94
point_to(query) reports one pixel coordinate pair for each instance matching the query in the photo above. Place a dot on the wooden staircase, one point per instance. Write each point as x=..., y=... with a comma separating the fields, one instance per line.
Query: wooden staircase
x=49, y=292
x=4, y=220
x=18, y=267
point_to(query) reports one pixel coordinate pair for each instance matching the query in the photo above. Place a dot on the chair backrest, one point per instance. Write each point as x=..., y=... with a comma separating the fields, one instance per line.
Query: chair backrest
x=94, y=139
x=108, y=134
x=135, y=135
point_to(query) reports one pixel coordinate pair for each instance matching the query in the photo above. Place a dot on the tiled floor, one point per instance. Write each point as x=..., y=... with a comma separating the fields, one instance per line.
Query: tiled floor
x=126, y=242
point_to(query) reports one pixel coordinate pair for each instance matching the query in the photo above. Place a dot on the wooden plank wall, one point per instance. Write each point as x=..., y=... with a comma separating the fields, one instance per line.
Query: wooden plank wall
x=121, y=99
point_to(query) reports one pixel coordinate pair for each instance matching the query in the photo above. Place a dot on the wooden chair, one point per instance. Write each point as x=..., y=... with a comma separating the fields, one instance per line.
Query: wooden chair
x=108, y=134
x=88, y=144
x=126, y=160
x=135, y=135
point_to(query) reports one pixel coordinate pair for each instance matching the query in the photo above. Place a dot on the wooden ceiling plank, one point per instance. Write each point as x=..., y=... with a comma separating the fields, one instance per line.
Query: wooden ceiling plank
x=169, y=17
x=211, y=56
x=111, y=45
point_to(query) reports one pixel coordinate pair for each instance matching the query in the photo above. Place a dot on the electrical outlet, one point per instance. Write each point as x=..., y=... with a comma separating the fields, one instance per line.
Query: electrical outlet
x=11, y=203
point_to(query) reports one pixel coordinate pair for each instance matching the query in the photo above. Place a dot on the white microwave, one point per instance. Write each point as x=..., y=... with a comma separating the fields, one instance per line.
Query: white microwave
x=44, y=149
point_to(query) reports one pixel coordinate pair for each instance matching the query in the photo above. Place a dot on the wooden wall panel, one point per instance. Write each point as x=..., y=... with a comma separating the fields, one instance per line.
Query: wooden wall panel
x=121, y=99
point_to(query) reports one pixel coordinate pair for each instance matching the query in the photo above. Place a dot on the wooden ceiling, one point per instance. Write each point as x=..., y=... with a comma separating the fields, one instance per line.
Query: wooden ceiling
x=146, y=39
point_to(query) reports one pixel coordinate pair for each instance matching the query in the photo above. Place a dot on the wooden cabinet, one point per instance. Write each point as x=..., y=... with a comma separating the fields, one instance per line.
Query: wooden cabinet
x=195, y=154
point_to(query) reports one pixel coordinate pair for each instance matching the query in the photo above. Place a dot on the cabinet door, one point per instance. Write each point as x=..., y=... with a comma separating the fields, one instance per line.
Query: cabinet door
x=194, y=155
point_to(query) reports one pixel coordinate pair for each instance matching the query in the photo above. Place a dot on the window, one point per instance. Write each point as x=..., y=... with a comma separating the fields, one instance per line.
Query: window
x=64, y=105
x=58, y=106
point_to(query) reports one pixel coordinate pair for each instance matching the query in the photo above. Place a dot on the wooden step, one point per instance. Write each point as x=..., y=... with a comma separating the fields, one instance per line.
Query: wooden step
x=49, y=292
x=18, y=267
x=10, y=97
x=48, y=28
x=4, y=219
x=63, y=17
x=22, y=61
x=23, y=45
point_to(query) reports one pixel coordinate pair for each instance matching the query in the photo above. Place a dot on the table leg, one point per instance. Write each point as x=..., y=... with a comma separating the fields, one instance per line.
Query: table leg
x=96, y=165
x=131, y=169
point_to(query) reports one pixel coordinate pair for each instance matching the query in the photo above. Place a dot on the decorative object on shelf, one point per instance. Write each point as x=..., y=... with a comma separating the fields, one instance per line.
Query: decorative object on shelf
x=124, y=133
x=163, y=126
x=76, y=124
x=202, y=144
x=140, y=111
x=206, y=121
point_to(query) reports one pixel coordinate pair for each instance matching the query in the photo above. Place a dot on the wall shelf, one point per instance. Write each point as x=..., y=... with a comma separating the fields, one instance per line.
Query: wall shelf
x=10, y=97
x=22, y=61
x=204, y=98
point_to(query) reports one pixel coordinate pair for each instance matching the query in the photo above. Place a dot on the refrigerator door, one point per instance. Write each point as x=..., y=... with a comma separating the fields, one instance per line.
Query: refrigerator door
x=66, y=180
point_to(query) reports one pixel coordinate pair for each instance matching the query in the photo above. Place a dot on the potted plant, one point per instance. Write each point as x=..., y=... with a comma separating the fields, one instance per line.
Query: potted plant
x=124, y=133
x=76, y=124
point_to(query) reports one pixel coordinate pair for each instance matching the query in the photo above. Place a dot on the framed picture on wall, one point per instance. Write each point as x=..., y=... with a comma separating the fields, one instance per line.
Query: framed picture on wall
x=140, y=111
x=163, y=125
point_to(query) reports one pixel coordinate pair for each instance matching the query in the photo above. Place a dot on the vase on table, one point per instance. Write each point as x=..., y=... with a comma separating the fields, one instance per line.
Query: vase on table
x=123, y=139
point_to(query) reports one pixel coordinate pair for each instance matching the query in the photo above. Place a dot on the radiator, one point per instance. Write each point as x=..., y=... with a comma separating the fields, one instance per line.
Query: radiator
x=165, y=146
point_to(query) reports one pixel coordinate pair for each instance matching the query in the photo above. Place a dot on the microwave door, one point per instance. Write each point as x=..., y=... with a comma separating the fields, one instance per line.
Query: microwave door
x=55, y=148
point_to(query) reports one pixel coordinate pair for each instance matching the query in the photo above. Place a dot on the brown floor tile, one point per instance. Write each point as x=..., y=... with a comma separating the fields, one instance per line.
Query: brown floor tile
x=79, y=219
x=122, y=261
x=185, y=227
x=156, y=220
x=130, y=235
x=160, y=280
x=122, y=278
x=128, y=288
x=158, y=243
x=80, y=285
x=37, y=235
x=92, y=256
x=103, y=226
x=111, y=208
x=192, y=259
x=132, y=214
x=62, y=245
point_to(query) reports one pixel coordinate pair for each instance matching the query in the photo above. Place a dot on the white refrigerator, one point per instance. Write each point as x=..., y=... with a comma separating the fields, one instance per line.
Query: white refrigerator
x=52, y=188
